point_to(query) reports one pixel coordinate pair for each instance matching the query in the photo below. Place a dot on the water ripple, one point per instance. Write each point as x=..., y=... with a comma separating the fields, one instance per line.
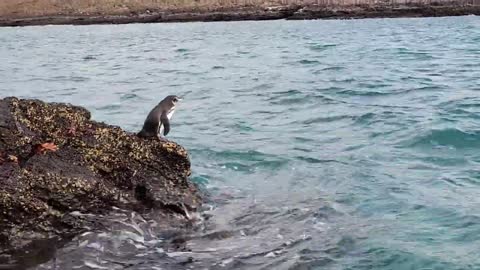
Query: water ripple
x=321, y=144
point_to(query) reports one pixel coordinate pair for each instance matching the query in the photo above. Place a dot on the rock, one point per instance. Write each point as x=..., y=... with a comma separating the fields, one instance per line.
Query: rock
x=58, y=167
x=381, y=11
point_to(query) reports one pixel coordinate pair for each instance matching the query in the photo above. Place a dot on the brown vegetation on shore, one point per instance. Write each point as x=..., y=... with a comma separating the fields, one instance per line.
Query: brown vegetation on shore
x=37, y=8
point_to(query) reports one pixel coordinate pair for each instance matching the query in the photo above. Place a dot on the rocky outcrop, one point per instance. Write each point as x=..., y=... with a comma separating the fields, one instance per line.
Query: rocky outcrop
x=382, y=11
x=58, y=166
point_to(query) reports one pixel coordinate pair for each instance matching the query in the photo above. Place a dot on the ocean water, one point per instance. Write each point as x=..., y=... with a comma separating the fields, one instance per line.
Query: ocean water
x=347, y=144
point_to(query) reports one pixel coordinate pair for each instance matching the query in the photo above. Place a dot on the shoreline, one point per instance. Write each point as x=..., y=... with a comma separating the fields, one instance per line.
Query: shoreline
x=252, y=14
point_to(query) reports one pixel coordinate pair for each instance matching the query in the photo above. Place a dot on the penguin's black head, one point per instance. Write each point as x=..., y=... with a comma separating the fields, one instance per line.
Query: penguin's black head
x=172, y=99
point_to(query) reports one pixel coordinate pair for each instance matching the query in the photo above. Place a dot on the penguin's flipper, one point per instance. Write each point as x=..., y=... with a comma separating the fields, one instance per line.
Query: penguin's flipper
x=165, y=123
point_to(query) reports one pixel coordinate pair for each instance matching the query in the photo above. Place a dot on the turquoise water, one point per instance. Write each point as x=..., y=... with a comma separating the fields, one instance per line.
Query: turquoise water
x=323, y=144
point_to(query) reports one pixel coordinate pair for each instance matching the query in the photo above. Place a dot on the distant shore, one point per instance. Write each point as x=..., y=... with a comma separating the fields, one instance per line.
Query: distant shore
x=291, y=12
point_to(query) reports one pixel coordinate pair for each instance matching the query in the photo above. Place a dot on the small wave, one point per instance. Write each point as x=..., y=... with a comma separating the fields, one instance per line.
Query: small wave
x=469, y=104
x=117, y=67
x=191, y=73
x=363, y=93
x=69, y=79
x=263, y=86
x=322, y=47
x=236, y=166
x=60, y=78
x=252, y=166
x=241, y=127
x=241, y=158
x=396, y=258
x=155, y=59
x=364, y=118
x=78, y=79
x=303, y=139
x=317, y=161
x=383, y=116
x=451, y=137
x=201, y=179
x=416, y=78
x=331, y=89
x=110, y=107
x=344, y=80
x=290, y=101
x=289, y=97
x=89, y=57
x=458, y=114
x=68, y=91
x=412, y=55
x=308, y=62
x=306, y=150
x=373, y=85
x=452, y=181
x=250, y=155
x=181, y=50
x=444, y=161
x=331, y=68
x=428, y=88
x=129, y=96
x=324, y=99
x=289, y=92
x=133, y=57
x=168, y=71
x=326, y=119
x=271, y=164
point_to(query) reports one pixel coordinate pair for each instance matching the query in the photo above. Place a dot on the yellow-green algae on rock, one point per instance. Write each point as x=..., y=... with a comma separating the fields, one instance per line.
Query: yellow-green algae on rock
x=96, y=166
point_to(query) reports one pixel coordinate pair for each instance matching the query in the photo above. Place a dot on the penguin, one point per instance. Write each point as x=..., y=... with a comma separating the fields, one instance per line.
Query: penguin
x=158, y=120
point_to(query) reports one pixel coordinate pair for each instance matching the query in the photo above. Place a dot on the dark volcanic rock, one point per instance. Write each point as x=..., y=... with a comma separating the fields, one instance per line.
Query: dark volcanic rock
x=45, y=194
x=382, y=11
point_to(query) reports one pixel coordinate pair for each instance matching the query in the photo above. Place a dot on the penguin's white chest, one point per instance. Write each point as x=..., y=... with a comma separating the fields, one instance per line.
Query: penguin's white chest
x=169, y=115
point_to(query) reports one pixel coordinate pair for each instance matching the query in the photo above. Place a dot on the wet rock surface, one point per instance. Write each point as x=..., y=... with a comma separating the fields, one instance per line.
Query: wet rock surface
x=59, y=170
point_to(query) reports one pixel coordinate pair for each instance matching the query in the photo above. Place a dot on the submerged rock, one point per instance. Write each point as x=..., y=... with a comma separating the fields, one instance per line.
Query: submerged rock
x=57, y=167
